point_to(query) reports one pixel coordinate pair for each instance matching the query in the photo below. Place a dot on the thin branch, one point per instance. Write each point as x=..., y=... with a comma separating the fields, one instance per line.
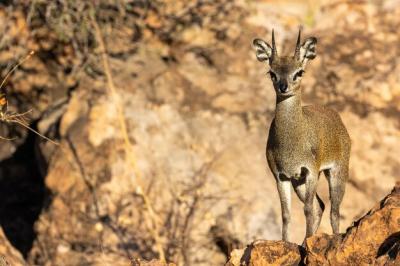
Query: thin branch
x=15, y=67
x=21, y=122
x=18, y=118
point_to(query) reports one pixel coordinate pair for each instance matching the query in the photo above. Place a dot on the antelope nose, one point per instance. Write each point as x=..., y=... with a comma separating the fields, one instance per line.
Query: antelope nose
x=283, y=87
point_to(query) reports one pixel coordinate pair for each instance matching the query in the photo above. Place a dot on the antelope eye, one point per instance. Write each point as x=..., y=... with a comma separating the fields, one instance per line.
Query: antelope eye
x=273, y=76
x=298, y=74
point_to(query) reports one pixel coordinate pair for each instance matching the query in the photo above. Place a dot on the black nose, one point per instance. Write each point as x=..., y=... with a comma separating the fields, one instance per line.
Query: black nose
x=283, y=87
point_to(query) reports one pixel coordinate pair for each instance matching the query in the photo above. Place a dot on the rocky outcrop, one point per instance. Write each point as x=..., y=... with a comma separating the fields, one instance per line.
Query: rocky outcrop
x=372, y=240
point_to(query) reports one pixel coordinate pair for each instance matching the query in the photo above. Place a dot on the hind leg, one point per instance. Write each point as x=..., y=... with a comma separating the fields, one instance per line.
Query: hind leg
x=337, y=177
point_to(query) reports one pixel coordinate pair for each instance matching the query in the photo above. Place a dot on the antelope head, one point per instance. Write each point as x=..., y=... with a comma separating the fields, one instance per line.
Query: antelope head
x=286, y=72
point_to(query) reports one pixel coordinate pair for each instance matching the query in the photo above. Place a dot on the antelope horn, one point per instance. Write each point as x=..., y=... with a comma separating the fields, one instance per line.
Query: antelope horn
x=274, y=51
x=297, y=51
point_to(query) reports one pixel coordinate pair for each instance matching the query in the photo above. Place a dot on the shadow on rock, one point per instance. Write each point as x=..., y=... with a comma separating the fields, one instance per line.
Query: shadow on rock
x=22, y=196
x=390, y=247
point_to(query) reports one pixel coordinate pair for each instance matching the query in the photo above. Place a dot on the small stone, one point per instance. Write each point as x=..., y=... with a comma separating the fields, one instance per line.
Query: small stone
x=99, y=227
x=63, y=248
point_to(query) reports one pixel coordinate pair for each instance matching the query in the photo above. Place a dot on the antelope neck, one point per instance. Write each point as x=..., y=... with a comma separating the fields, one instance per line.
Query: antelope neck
x=288, y=113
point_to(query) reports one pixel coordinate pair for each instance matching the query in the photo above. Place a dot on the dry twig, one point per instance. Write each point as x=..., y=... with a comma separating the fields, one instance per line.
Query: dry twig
x=18, y=118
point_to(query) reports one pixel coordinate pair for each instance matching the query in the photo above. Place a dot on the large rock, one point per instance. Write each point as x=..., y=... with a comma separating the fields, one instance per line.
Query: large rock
x=372, y=240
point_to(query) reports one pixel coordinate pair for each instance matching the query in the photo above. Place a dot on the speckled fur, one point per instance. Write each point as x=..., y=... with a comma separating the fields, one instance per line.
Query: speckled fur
x=303, y=141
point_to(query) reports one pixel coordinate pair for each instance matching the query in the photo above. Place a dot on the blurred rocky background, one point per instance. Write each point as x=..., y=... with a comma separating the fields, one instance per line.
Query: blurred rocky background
x=162, y=110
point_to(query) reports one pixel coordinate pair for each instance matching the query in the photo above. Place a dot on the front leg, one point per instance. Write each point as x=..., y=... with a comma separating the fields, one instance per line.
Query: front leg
x=309, y=211
x=283, y=184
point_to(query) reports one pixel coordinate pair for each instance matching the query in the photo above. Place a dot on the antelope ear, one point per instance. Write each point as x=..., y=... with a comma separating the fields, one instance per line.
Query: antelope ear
x=307, y=50
x=263, y=50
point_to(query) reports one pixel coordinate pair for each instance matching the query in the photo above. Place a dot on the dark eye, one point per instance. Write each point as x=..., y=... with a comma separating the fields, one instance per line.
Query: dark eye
x=273, y=76
x=298, y=74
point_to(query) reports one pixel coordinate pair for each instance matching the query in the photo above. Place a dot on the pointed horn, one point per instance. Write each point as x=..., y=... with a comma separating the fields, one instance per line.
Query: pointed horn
x=274, y=51
x=297, y=51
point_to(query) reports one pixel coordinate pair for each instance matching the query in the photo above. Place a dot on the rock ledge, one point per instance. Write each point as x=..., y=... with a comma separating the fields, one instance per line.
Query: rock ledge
x=374, y=239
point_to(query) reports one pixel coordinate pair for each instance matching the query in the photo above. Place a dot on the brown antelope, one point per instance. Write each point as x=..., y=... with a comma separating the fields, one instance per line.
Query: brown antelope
x=303, y=141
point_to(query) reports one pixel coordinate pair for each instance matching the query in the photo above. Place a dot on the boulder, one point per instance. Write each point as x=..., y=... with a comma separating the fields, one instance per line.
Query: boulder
x=374, y=239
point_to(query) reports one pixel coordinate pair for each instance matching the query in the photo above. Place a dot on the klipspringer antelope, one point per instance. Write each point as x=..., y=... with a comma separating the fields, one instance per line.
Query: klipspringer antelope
x=303, y=141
